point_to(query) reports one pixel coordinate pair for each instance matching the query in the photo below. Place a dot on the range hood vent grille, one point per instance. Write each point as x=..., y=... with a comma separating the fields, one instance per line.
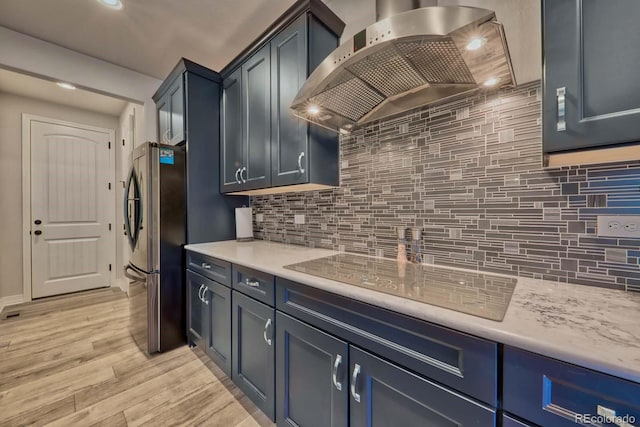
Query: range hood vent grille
x=407, y=60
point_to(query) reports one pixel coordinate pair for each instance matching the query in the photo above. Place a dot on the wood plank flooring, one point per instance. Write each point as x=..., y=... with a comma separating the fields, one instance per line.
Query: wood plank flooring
x=70, y=361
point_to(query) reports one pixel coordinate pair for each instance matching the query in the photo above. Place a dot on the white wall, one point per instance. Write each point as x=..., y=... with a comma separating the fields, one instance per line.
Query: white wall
x=33, y=56
x=11, y=109
x=131, y=126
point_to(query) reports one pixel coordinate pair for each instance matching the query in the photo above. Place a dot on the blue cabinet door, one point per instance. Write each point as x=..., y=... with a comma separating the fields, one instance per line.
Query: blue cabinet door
x=218, y=300
x=253, y=355
x=384, y=394
x=311, y=383
x=175, y=96
x=289, y=139
x=591, y=83
x=197, y=313
x=256, y=90
x=232, y=143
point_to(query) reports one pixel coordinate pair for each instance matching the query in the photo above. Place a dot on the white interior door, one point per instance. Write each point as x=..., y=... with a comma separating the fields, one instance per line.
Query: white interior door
x=71, y=209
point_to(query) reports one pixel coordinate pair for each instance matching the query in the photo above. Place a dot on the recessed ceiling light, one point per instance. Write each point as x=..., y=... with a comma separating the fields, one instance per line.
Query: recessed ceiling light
x=492, y=81
x=313, y=110
x=66, y=85
x=111, y=4
x=476, y=43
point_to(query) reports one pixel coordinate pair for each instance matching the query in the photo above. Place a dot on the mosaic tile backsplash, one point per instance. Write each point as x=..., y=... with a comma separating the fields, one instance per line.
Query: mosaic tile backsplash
x=469, y=174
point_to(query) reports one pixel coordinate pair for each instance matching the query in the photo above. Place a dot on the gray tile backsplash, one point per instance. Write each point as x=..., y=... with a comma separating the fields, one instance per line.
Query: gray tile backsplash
x=469, y=173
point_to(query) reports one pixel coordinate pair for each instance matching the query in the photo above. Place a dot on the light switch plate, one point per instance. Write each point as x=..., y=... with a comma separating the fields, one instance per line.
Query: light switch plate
x=619, y=226
x=298, y=219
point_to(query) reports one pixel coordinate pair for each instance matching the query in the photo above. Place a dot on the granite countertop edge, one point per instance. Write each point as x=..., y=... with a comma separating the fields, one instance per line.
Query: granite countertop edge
x=526, y=325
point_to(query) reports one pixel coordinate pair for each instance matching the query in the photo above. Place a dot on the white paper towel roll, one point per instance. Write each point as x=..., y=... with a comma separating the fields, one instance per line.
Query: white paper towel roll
x=244, y=225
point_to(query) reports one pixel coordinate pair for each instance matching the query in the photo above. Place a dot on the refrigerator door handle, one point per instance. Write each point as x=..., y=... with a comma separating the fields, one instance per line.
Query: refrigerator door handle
x=135, y=277
x=132, y=185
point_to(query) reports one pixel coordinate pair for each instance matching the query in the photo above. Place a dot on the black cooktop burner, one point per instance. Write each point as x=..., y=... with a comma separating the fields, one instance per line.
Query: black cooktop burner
x=478, y=294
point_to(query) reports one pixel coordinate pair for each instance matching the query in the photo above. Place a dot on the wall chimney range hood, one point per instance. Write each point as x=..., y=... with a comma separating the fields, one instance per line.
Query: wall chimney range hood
x=405, y=61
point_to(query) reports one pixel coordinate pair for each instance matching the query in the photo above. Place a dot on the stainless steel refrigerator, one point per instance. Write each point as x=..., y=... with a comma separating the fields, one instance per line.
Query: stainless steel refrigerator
x=155, y=225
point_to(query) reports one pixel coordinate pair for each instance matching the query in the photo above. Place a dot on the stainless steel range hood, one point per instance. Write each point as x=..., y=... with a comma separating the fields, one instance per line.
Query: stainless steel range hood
x=406, y=61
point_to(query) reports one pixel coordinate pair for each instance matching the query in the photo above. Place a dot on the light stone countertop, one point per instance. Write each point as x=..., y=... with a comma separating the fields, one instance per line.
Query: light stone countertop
x=591, y=327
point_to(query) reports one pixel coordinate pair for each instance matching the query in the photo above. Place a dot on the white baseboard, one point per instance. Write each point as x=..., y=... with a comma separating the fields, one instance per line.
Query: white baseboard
x=122, y=284
x=10, y=300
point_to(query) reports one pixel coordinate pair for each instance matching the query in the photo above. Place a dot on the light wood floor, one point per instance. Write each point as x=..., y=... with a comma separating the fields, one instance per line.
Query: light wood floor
x=70, y=361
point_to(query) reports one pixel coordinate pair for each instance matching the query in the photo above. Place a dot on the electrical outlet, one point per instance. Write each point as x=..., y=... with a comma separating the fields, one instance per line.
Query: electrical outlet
x=259, y=217
x=619, y=226
x=298, y=219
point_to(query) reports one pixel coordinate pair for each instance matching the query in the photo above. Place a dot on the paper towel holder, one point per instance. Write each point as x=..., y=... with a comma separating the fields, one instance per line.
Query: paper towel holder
x=244, y=224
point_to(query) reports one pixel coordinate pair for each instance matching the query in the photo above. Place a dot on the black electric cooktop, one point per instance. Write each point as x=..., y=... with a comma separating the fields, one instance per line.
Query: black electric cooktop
x=478, y=294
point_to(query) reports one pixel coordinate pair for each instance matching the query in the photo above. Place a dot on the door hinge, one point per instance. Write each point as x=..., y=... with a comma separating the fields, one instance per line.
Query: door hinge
x=109, y=226
x=109, y=145
x=109, y=267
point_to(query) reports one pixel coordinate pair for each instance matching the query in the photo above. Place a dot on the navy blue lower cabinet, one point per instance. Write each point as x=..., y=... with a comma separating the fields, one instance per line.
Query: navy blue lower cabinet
x=218, y=301
x=312, y=383
x=253, y=355
x=196, y=310
x=509, y=421
x=384, y=394
x=548, y=392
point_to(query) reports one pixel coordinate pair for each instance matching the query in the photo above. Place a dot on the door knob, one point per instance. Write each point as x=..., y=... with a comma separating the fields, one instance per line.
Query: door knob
x=37, y=232
x=37, y=222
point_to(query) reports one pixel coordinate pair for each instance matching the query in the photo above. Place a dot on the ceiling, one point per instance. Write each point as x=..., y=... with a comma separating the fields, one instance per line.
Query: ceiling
x=148, y=36
x=33, y=87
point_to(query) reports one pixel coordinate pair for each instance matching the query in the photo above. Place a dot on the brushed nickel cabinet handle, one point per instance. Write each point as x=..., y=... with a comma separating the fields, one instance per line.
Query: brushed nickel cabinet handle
x=200, y=292
x=206, y=266
x=334, y=376
x=244, y=169
x=252, y=283
x=264, y=334
x=354, y=381
x=561, y=93
x=300, y=157
x=204, y=295
x=238, y=179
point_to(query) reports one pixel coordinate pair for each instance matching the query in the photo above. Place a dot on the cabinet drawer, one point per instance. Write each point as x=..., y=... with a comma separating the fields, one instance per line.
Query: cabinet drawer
x=463, y=362
x=553, y=393
x=214, y=269
x=254, y=283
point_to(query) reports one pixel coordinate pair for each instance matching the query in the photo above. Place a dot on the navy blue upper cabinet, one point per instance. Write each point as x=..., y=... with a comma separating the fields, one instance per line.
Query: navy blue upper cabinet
x=171, y=114
x=256, y=102
x=384, y=394
x=289, y=143
x=278, y=149
x=232, y=145
x=591, y=85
